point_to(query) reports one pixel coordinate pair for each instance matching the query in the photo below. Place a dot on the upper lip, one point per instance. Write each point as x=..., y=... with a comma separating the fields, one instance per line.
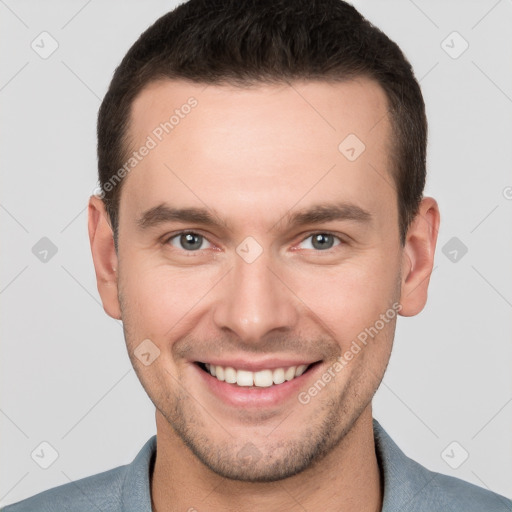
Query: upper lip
x=255, y=366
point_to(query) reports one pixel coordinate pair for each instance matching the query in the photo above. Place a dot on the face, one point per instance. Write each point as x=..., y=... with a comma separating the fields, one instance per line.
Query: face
x=253, y=246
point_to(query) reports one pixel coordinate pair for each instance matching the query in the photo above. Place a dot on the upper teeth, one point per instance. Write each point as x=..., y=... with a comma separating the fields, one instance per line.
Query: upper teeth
x=262, y=378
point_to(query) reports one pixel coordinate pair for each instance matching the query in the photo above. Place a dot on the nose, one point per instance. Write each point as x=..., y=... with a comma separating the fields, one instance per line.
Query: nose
x=255, y=301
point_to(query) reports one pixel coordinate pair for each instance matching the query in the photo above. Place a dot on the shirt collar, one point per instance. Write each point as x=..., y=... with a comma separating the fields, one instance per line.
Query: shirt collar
x=403, y=479
x=136, y=492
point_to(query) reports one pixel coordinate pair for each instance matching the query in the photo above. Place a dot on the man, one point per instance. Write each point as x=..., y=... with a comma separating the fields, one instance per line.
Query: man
x=285, y=142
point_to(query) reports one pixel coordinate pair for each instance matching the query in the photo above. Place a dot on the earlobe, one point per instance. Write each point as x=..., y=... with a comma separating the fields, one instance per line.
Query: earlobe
x=418, y=257
x=104, y=256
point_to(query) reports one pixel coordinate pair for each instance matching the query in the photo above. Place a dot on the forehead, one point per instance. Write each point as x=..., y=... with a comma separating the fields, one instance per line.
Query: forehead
x=277, y=142
x=358, y=104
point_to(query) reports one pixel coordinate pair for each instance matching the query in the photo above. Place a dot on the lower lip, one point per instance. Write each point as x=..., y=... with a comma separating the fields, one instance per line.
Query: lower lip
x=241, y=396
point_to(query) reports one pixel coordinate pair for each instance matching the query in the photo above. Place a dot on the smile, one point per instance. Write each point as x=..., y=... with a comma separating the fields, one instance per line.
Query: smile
x=261, y=379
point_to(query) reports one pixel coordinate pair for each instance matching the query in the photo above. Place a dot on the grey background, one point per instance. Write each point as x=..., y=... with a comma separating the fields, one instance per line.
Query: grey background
x=65, y=376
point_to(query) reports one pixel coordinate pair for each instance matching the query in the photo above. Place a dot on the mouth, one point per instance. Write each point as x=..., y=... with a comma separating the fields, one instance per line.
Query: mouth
x=263, y=378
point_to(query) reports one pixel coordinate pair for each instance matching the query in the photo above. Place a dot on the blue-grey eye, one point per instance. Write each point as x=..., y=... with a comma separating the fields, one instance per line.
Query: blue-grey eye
x=321, y=241
x=188, y=241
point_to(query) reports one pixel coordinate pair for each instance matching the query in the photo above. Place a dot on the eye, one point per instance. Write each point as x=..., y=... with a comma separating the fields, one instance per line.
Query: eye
x=321, y=241
x=188, y=241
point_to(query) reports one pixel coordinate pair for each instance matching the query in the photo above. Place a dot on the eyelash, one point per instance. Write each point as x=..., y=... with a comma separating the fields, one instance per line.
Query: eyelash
x=191, y=253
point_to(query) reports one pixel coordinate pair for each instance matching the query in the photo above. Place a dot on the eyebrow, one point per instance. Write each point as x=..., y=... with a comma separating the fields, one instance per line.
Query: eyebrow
x=316, y=214
x=164, y=213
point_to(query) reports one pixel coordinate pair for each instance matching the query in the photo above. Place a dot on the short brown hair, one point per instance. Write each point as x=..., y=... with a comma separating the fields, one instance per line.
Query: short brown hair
x=268, y=41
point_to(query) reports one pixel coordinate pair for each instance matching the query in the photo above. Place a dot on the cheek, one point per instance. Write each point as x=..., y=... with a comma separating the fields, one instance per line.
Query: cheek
x=350, y=297
x=156, y=299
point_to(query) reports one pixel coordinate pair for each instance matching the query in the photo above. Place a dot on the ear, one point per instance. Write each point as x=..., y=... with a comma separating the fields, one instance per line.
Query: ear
x=101, y=238
x=418, y=257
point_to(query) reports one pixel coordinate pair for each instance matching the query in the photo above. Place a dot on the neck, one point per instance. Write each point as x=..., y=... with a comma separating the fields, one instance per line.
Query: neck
x=347, y=479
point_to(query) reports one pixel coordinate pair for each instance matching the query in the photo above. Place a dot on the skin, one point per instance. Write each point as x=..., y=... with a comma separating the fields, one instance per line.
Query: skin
x=255, y=155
